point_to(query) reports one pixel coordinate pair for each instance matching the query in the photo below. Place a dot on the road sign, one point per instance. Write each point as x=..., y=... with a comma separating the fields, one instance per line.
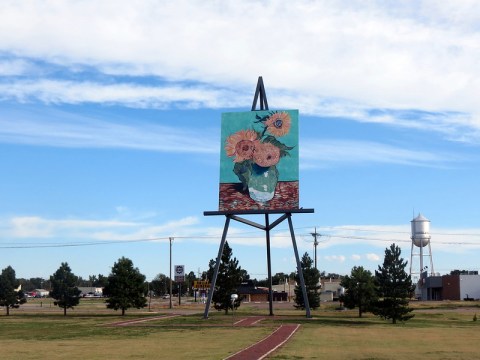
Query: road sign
x=179, y=273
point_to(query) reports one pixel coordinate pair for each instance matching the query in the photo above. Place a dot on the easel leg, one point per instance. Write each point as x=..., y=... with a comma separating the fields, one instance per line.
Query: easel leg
x=299, y=268
x=217, y=266
x=269, y=265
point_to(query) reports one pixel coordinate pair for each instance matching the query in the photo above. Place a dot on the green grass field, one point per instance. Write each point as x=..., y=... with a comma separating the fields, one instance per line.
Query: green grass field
x=38, y=330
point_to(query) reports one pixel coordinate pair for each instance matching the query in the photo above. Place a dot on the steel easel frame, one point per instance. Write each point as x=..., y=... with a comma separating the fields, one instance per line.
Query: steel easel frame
x=234, y=215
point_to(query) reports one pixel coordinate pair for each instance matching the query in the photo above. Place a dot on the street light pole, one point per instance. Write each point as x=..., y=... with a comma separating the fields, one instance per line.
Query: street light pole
x=170, y=297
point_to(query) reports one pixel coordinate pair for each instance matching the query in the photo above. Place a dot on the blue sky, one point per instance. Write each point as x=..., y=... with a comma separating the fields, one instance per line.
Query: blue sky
x=110, y=129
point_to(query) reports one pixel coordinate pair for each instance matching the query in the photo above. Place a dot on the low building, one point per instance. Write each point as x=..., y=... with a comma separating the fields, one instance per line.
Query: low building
x=330, y=289
x=287, y=289
x=450, y=287
x=248, y=292
x=41, y=293
x=90, y=291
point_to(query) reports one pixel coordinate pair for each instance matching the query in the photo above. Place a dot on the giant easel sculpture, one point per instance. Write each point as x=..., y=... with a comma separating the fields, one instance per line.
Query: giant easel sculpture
x=234, y=215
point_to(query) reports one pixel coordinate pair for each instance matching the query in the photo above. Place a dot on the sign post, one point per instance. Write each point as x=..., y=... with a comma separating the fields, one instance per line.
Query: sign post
x=179, y=278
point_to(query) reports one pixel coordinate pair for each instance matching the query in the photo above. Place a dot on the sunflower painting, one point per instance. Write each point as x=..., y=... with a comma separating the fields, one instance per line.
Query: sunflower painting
x=259, y=160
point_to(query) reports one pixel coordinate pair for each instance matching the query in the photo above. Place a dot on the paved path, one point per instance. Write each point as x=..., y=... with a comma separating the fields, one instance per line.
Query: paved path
x=264, y=347
x=257, y=351
x=249, y=321
x=137, y=321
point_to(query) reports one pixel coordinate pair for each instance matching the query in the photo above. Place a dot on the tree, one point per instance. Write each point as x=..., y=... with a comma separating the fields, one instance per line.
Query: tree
x=261, y=282
x=312, y=278
x=189, y=280
x=160, y=285
x=11, y=294
x=228, y=279
x=279, y=278
x=125, y=287
x=64, y=288
x=97, y=280
x=394, y=287
x=360, y=290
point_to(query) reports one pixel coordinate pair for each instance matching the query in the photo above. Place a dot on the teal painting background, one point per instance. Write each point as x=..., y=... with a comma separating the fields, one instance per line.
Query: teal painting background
x=235, y=121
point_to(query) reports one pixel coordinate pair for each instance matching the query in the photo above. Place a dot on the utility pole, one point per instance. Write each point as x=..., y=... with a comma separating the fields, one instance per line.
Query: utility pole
x=170, y=297
x=315, y=243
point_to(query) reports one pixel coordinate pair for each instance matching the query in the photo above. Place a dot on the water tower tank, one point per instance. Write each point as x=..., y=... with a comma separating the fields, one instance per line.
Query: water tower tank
x=421, y=231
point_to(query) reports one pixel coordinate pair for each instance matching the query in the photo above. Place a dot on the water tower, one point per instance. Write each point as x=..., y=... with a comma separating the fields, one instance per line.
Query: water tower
x=421, y=246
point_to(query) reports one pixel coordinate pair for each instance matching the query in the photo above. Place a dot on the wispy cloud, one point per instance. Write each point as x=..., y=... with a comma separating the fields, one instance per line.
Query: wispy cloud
x=14, y=67
x=57, y=128
x=37, y=227
x=328, y=152
x=129, y=94
x=62, y=129
x=455, y=126
x=34, y=228
x=459, y=240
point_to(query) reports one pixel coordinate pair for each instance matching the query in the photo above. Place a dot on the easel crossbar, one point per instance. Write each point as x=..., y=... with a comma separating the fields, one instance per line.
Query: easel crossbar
x=248, y=222
x=257, y=225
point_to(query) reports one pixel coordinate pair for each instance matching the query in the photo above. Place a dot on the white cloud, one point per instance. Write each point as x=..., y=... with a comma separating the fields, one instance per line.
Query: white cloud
x=356, y=257
x=335, y=258
x=14, y=67
x=334, y=57
x=373, y=257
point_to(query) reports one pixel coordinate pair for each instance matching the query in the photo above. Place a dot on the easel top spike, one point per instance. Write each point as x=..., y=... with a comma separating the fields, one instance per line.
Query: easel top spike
x=260, y=91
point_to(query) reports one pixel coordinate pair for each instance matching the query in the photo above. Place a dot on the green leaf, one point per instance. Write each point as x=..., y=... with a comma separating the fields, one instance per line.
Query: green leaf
x=243, y=171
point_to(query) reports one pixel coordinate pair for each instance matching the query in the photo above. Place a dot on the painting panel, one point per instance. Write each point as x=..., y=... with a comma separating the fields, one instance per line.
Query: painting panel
x=259, y=161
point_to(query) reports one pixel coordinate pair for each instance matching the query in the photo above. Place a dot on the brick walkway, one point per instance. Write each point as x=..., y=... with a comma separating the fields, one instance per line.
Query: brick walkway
x=257, y=351
x=266, y=346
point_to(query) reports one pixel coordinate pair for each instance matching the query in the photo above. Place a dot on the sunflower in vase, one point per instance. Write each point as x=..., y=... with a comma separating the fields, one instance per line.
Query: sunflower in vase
x=256, y=152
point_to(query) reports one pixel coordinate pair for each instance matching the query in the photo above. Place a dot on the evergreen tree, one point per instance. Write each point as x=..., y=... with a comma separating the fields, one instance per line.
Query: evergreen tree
x=125, y=287
x=394, y=287
x=312, y=279
x=228, y=279
x=64, y=288
x=360, y=290
x=11, y=294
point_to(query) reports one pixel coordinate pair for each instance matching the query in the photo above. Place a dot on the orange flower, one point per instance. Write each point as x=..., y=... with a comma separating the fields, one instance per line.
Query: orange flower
x=266, y=154
x=241, y=145
x=278, y=124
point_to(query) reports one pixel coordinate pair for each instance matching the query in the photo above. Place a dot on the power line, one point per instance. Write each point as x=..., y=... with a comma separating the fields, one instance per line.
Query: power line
x=243, y=235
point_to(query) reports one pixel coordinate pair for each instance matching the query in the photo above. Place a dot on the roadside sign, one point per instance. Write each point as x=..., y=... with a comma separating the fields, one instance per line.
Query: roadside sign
x=201, y=284
x=179, y=273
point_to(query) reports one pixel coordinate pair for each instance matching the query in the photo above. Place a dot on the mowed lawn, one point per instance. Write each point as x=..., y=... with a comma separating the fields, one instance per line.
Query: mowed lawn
x=433, y=335
x=438, y=331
